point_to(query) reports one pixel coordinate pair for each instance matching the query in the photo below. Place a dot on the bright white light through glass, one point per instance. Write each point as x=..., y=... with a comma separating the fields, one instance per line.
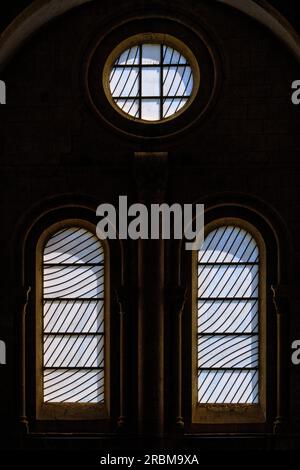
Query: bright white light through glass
x=228, y=317
x=73, y=318
x=151, y=82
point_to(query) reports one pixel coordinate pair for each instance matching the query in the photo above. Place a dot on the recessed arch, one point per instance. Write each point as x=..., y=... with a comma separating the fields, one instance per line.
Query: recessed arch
x=41, y=12
x=72, y=318
x=56, y=212
x=54, y=208
x=278, y=273
x=264, y=215
x=229, y=308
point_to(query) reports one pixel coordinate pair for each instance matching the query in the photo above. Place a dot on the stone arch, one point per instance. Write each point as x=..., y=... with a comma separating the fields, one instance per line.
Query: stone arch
x=41, y=12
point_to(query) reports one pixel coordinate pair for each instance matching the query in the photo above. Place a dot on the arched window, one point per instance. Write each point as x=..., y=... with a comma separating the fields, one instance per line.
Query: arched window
x=230, y=324
x=71, y=323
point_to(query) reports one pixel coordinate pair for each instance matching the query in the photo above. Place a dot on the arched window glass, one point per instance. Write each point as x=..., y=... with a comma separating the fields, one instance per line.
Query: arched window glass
x=228, y=318
x=73, y=332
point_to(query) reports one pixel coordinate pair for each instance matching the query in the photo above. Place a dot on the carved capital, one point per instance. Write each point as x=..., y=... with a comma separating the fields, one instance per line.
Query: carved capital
x=279, y=425
x=121, y=295
x=178, y=296
x=22, y=294
x=280, y=299
x=179, y=424
x=121, y=423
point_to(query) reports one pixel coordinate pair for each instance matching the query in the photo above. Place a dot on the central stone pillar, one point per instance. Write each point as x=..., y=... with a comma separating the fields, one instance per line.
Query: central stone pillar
x=151, y=177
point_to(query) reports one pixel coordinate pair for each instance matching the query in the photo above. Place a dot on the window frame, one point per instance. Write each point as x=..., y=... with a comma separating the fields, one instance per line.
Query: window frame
x=69, y=411
x=139, y=40
x=227, y=413
x=105, y=48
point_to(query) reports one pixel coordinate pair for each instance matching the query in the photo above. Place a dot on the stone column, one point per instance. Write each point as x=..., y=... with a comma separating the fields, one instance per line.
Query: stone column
x=179, y=299
x=23, y=298
x=120, y=297
x=281, y=307
x=151, y=177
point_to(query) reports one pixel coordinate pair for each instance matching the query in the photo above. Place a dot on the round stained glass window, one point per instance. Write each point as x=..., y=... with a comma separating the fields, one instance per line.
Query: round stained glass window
x=152, y=81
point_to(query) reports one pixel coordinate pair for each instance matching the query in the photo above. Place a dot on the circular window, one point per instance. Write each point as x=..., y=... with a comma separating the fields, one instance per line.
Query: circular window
x=151, y=81
x=150, y=85
x=151, y=78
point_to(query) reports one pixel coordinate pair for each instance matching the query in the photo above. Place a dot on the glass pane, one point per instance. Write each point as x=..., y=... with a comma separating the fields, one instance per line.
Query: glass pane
x=228, y=316
x=228, y=386
x=178, y=81
x=73, y=330
x=230, y=351
x=73, y=245
x=129, y=57
x=151, y=110
x=130, y=107
x=146, y=81
x=150, y=54
x=171, y=106
x=73, y=282
x=229, y=244
x=62, y=316
x=73, y=351
x=151, y=81
x=73, y=386
x=228, y=269
x=170, y=56
x=124, y=82
x=227, y=281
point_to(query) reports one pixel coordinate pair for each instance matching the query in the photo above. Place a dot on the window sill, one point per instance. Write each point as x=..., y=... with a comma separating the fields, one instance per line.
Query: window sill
x=228, y=414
